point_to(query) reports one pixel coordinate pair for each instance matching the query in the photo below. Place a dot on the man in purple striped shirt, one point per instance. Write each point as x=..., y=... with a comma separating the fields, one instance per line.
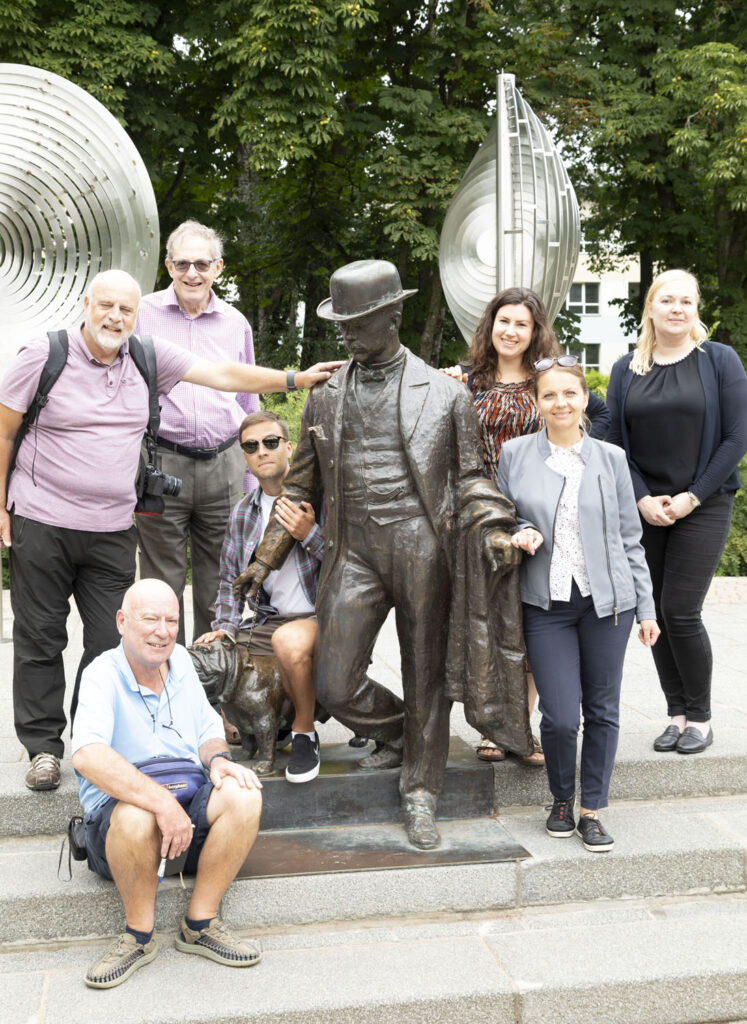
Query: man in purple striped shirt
x=71, y=496
x=198, y=432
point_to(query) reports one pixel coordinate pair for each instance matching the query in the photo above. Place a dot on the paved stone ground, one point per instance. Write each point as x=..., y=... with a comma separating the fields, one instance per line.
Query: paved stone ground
x=642, y=711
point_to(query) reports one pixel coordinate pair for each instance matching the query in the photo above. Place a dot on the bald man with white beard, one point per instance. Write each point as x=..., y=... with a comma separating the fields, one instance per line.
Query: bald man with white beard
x=67, y=514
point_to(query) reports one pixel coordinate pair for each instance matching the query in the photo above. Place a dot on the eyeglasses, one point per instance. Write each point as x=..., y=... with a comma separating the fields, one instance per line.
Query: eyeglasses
x=270, y=443
x=201, y=266
x=545, y=364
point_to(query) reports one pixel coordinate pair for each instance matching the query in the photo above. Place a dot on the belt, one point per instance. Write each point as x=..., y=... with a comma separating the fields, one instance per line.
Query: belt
x=196, y=453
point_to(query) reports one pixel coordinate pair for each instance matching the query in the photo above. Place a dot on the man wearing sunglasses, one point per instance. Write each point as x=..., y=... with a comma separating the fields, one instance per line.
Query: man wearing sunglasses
x=197, y=434
x=285, y=621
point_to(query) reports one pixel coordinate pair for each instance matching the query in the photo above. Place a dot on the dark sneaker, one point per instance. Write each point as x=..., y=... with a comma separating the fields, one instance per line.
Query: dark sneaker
x=593, y=835
x=118, y=963
x=217, y=943
x=304, y=760
x=561, y=823
x=44, y=772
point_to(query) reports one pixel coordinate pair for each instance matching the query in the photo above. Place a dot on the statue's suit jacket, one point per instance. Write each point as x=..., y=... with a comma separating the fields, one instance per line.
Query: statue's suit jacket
x=441, y=441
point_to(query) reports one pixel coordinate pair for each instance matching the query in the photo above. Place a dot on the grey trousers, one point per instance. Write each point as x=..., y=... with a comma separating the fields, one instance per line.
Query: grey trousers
x=198, y=515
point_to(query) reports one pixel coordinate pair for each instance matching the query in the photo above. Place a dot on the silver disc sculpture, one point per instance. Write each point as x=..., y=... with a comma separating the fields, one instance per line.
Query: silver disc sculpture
x=513, y=220
x=75, y=199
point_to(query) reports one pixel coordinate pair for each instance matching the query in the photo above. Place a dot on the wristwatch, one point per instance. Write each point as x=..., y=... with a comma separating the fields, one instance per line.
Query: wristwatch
x=290, y=380
x=694, y=499
x=221, y=753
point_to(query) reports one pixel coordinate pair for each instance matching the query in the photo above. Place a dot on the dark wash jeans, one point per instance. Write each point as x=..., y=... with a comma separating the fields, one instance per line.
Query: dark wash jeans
x=682, y=559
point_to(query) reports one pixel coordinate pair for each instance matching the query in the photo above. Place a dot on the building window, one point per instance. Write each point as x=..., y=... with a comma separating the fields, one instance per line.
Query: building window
x=588, y=355
x=583, y=299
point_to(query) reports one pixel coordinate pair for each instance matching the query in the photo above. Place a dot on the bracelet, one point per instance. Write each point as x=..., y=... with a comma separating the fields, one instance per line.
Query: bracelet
x=290, y=380
x=221, y=753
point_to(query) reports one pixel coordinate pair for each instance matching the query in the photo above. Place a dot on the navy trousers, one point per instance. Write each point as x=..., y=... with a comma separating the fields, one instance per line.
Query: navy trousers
x=577, y=661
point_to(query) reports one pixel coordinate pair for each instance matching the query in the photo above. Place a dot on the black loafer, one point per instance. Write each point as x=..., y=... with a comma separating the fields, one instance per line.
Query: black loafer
x=692, y=741
x=668, y=739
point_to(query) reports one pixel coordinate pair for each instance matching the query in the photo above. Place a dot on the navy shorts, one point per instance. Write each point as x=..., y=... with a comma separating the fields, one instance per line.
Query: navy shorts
x=97, y=827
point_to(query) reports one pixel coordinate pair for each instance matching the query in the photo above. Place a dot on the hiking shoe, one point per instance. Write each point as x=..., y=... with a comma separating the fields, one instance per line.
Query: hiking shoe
x=44, y=772
x=561, y=823
x=593, y=835
x=119, y=961
x=304, y=760
x=217, y=943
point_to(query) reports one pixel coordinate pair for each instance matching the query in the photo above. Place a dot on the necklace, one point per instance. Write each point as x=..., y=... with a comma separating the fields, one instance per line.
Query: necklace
x=153, y=717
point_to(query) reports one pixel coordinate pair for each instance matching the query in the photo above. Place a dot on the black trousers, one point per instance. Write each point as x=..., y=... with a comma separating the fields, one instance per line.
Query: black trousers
x=48, y=565
x=401, y=565
x=577, y=661
x=682, y=559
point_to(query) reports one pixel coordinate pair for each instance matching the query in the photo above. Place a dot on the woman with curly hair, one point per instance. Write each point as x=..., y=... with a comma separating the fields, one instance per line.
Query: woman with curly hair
x=679, y=409
x=513, y=334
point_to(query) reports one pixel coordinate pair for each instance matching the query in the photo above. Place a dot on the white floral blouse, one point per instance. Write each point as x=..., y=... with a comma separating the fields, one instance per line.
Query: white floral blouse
x=567, y=562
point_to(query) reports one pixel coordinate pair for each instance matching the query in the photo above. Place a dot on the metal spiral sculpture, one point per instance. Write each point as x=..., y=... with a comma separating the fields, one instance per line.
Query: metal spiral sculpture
x=75, y=199
x=513, y=220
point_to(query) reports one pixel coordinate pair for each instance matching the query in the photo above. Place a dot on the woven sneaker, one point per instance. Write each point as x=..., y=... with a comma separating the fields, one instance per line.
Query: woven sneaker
x=217, y=943
x=593, y=835
x=119, y=961
x=304, y=760
x=44, y=772
x=561, y=823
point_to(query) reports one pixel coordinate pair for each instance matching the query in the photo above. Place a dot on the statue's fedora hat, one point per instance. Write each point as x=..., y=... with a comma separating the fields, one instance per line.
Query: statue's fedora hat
x=360, y=288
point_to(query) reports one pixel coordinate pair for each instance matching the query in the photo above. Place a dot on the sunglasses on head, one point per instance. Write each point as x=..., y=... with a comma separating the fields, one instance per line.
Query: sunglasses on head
x=545, y=364
x=270, y=443
x=201, y=266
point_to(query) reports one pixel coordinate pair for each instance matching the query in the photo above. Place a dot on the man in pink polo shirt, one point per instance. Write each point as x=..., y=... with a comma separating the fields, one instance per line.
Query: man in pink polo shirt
x=68, y=510
x=197, y=437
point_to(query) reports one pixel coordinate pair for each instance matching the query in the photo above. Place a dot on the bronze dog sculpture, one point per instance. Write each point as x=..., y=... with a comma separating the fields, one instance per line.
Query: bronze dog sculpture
x=251, y=694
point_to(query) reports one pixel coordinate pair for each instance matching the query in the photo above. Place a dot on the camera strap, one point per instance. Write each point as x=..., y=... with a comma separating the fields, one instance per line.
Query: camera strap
x=144, y=357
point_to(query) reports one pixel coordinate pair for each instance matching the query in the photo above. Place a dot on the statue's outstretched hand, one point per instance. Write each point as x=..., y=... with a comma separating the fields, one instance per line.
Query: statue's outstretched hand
x=501, y=554
x=248, y=582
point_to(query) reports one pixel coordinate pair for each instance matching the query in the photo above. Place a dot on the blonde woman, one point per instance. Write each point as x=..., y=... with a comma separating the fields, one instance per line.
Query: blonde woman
x=679, y=409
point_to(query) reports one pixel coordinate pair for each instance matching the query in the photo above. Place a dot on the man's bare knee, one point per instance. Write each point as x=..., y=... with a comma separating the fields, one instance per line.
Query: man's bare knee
x=293, y=643
x=133, y=826
x=239, y=803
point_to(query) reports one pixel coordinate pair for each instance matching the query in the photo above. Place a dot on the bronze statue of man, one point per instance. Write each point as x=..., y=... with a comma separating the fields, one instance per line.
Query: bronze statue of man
x=412, y=523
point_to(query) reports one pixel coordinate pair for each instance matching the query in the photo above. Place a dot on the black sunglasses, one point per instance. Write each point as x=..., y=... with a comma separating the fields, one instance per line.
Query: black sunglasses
x=201, y=266
x=545, y=364
x=270, y=443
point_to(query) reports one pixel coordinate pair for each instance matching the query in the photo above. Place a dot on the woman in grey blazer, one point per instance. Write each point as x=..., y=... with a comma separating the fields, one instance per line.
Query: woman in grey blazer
x=584, y=580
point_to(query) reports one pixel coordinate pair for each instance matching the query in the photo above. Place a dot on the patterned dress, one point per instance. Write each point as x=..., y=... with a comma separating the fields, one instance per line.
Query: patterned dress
x=505, y=411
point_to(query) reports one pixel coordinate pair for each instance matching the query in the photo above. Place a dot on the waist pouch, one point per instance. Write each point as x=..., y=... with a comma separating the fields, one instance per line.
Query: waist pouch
x=181, y=776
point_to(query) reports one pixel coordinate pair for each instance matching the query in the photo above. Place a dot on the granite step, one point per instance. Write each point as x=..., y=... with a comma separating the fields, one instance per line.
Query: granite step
x=342, y=795
x=662, y=848
x=646, y=962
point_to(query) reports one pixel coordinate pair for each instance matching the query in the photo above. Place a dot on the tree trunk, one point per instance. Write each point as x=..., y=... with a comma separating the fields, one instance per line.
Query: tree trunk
x=430, y=345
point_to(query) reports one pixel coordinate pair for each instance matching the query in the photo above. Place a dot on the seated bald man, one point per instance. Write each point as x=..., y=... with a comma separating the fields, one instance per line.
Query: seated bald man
x=143, y=700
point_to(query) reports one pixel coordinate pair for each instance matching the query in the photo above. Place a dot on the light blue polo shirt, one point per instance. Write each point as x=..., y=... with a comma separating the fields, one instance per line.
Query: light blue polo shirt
x=113, y=709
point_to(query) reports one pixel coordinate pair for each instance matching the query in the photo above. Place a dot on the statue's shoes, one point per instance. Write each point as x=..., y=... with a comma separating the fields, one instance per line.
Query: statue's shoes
x=419, y=810
x=387, y=755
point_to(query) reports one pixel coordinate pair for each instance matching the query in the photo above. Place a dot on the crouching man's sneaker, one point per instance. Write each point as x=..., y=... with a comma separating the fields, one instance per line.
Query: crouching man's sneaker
x=44, y=772
x=119, y=961
x=217, y=943
x=304, y=760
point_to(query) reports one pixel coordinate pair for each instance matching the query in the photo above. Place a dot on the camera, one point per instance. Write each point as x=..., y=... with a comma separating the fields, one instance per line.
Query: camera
x=150, y=486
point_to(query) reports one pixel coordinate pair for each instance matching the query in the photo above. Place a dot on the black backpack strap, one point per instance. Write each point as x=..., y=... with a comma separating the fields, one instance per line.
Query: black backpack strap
x=143, y=354
x=55, y=364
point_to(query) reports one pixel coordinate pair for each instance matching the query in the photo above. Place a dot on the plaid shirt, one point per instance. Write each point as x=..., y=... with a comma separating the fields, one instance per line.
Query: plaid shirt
x=243, y=535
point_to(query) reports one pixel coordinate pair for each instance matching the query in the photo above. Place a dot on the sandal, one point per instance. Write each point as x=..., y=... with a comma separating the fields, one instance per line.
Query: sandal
x=536, y=759
x=486, y=750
